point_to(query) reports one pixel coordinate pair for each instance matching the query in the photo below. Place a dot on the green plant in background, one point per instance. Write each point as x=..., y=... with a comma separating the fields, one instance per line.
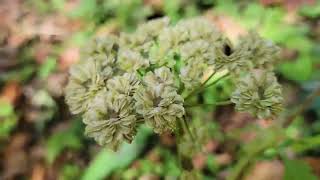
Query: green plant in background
x=8, y=119
x=151, y=76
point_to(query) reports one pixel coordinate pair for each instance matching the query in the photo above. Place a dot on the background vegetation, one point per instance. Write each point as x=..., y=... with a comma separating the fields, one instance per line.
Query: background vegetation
x=39, y=139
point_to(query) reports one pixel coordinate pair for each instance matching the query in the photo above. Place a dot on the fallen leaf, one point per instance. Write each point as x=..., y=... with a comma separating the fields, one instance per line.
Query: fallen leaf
x=68, y=57
x=38, y=172
x=266, y=170
x=11, y=92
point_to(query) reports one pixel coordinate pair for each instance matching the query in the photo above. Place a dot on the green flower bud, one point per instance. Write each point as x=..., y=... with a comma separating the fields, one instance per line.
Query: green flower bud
x=160, y=107
x=125, y=84
x=131, y=61
x=200, y=50
x=263, y=53
x=86, y=79
x=161, y=76
x=192, y=73
x=259, y=94
x=196, y=32
x=103, y=49
x=232, y=58
x=110, y=119
x=145, y=35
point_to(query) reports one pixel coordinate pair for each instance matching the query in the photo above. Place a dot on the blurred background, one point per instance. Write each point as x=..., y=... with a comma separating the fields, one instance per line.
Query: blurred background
x=40, y=140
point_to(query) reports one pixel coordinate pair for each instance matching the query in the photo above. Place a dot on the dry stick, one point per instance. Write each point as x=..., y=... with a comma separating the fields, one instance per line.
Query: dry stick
x=302, y=107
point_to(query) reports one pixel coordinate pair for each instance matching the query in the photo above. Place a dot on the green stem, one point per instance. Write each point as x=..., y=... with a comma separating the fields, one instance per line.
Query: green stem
x=187, y=129
x=217, y=80
x=302, y=107
x=201, y=86
x=204, y=86
x=244, y=162
x=221, y=103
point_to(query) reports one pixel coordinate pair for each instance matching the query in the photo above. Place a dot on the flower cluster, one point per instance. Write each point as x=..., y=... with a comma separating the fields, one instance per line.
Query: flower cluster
x=143, y=77
x=259, y=93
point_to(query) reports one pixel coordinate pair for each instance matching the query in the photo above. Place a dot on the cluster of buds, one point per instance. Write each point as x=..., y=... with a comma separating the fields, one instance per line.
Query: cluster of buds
x=142, y=77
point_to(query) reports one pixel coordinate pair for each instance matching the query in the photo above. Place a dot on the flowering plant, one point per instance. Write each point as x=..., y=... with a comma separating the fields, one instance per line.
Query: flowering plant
x=150, y=76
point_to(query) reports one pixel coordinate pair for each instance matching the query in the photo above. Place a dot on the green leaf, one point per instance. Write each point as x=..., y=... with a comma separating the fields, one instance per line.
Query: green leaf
x=6, y=109
x=86, y=9
x=107, y=161
x=61, y=140
x=298, y=170
x=312, y=11
x=47, y=67
x=7, y=125
x=300, y=70
x=70, y=172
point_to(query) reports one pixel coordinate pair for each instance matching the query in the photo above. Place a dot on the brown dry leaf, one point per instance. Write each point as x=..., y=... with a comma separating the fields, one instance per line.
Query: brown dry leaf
x=149, y=177
x=271, y=2
x=211, y=146
x=42, y=50
x=68, y=57
x=15, y=160
x=266, y=170
x=231, y=119
x=11, y=92
x=227, y=24
x=38, y=172
x=290, y=5
x=155, y=4
x=199, y=161
x=314, y=163
x=153, y=156
x=167, y=139
x=56, y=83
x=223, y=159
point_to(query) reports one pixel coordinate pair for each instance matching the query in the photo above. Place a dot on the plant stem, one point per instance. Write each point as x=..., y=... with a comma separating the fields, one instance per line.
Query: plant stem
x=221, y=103
x=302, y=107
x=217, y=80
x=204, y=86
x=186, y=128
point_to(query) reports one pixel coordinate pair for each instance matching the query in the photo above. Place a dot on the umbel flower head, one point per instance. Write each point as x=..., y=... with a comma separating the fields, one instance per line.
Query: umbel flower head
x=158, y=102
x=141, y=76
x=189, y=38
x=262, y=52
x=259, y=93
x=86, y=79
x=160, y=107
x=110, y=119
x=89, y=76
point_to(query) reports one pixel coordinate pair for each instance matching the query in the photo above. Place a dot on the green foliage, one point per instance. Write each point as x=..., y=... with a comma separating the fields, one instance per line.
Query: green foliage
x=312, y=11
x=47, y=67
x=297, y=170
x=6, y=109
x=70, y=172
x=106, y=161
x=8, y=119
x=66, y=139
